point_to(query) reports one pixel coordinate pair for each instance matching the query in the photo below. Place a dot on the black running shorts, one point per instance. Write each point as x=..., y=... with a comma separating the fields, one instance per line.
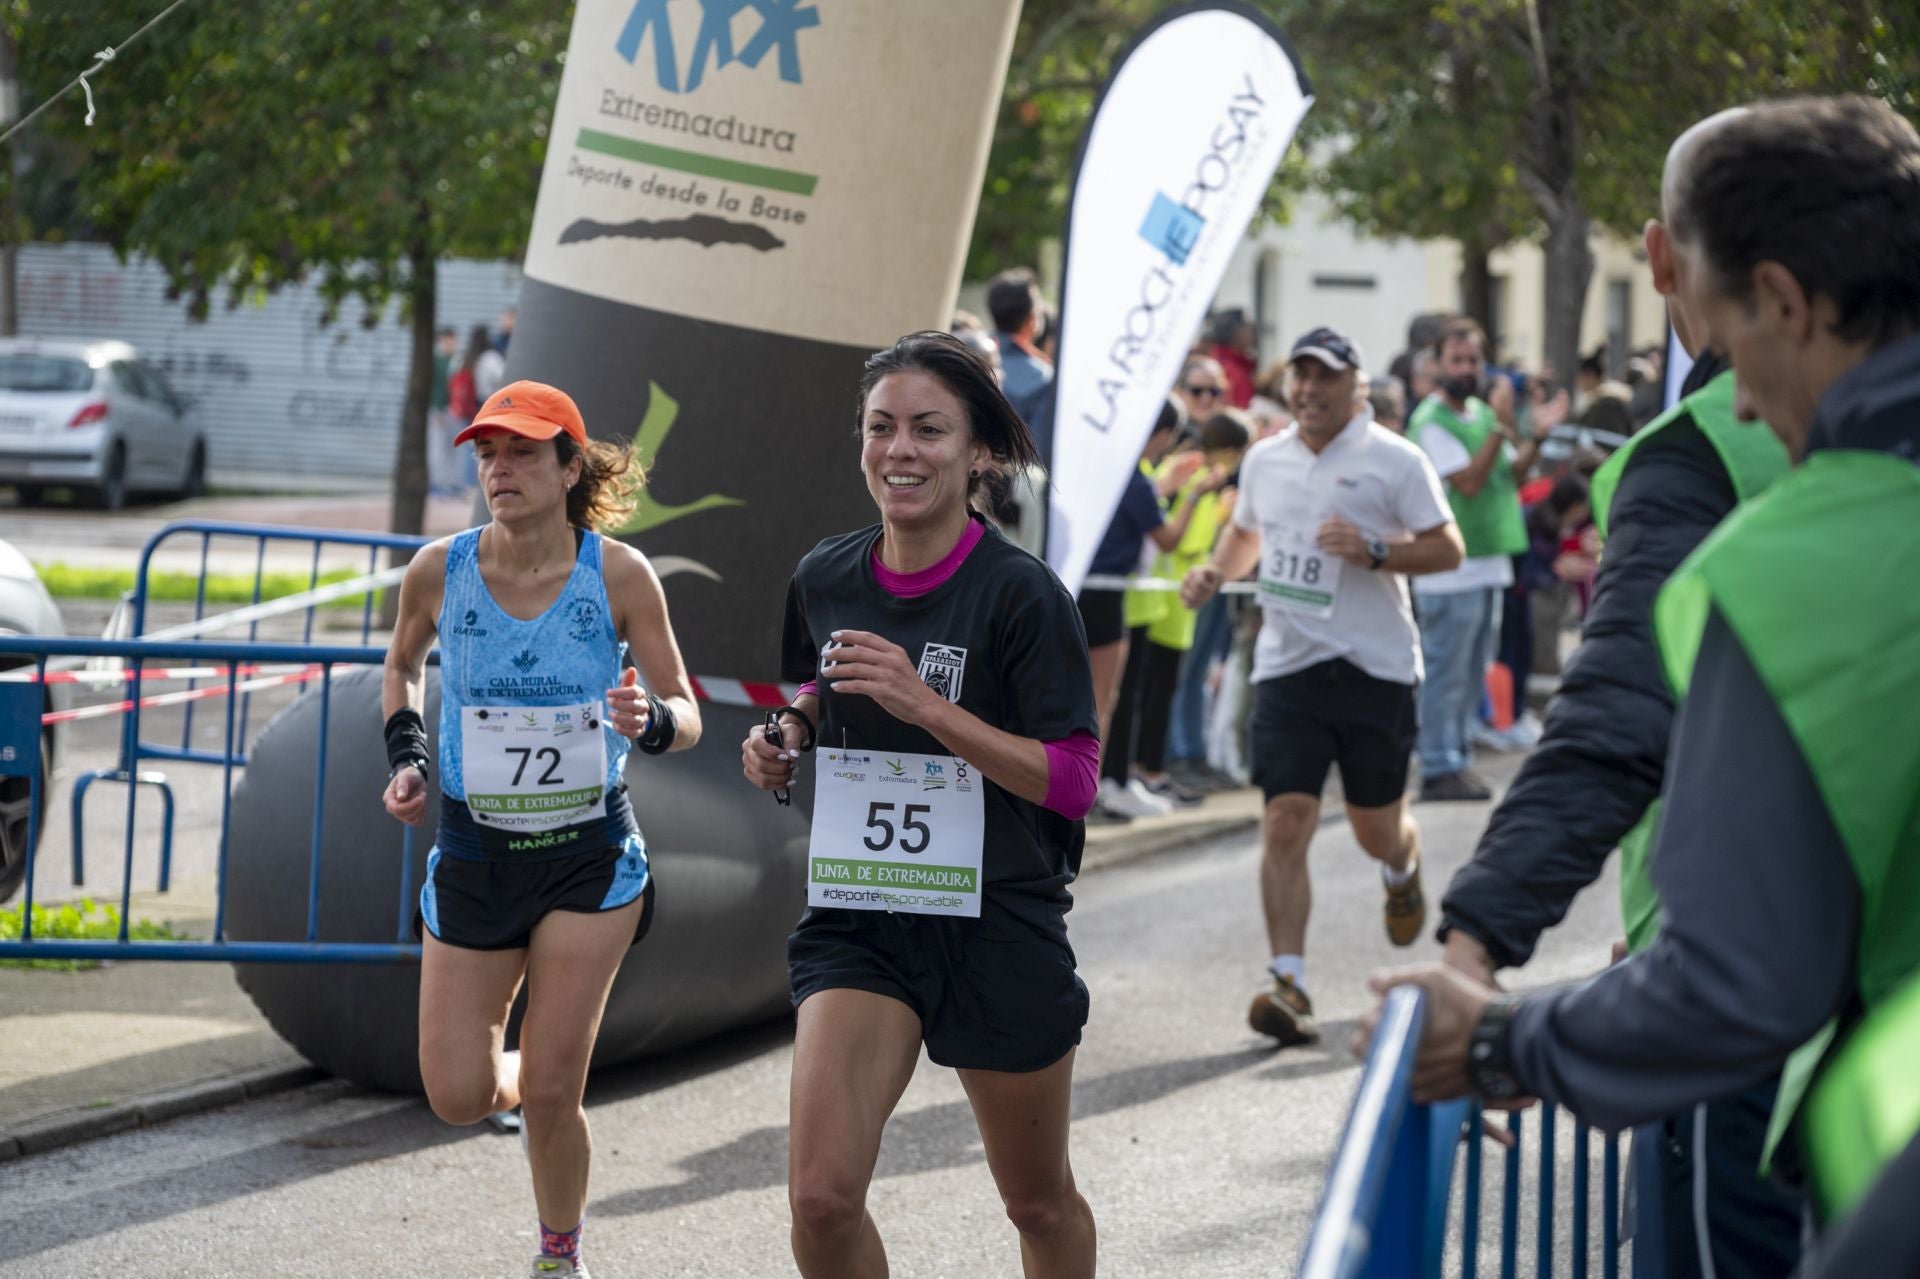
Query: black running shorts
x=994, y=993
x=494, y=903
x=1333, y=713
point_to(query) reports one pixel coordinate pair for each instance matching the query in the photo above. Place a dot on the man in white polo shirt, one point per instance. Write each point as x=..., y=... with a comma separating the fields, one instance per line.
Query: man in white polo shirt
x=1336, y=511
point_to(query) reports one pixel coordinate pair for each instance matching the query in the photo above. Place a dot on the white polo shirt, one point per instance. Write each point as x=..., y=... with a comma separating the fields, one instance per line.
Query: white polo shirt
x=1386, y=488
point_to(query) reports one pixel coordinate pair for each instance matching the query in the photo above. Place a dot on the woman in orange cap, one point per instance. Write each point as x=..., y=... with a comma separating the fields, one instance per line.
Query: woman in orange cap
x=539, y=872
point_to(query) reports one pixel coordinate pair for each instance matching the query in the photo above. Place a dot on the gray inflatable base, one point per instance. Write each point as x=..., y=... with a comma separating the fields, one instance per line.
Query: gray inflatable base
x=729, y=869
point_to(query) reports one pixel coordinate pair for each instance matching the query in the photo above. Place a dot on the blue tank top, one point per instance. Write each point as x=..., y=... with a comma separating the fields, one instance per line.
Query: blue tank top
x=488, y=658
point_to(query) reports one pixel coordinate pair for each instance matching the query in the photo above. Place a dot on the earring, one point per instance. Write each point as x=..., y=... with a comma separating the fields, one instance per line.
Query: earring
x=976, y=473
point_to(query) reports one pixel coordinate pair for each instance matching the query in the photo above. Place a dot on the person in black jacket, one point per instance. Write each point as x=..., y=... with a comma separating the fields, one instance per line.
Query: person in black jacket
x=1600, y=763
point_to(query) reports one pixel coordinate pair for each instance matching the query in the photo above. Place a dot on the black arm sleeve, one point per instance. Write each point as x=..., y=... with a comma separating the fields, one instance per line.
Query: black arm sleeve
x=1603, y=752
x=1758, y=923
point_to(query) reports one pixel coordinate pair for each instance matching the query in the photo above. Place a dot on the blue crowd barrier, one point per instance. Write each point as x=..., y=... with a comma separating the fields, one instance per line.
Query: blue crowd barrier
x=133, y=747
x=1389, y=1202
x=20, y=712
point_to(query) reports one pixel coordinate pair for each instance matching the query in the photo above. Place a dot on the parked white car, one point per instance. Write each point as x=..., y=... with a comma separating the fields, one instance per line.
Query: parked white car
x=25, y=609
x=96, y=417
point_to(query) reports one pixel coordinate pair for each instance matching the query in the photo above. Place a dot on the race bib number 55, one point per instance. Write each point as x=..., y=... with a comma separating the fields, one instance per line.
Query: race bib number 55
x=897, y=832
x=533, y=768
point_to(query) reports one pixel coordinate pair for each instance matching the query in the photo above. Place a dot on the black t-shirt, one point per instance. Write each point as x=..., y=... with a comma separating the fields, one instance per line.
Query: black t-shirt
x=1003, y=639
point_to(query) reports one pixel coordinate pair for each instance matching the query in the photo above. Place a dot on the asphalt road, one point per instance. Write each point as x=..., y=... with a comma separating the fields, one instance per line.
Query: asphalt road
x=1201, y=1150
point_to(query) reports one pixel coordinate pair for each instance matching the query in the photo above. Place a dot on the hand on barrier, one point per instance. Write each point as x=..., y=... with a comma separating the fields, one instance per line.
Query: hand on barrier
x=1201, y=585
x=1455, y=1003
x=627, y=707
x=406, y=796
x=865, y=664
x=772, y=767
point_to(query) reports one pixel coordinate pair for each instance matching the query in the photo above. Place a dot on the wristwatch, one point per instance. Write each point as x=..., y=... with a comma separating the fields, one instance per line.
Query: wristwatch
x=1490, y=1055
x=1377, y=551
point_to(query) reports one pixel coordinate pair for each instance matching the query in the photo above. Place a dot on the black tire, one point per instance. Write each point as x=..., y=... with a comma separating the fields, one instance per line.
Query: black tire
x=14, y=814
x=29, y=494
x=111, y=493
x=195, y=484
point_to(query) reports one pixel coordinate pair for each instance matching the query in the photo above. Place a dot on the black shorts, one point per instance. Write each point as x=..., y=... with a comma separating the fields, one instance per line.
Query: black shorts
x=493, y=904
x=1333, y=713
x=994, y=993
x=1104, y=614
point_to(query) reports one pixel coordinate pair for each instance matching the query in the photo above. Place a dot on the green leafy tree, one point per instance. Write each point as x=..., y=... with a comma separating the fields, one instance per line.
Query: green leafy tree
x=1480, y=120
x=355, y=144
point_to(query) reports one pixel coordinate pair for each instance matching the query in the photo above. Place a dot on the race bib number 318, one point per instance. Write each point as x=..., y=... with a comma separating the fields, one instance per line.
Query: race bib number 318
x=1295, y=575
x=897, y=832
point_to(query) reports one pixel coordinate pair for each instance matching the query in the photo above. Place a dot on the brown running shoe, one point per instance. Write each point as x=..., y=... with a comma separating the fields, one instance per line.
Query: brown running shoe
x=1285, y=1013
x=1406, y=910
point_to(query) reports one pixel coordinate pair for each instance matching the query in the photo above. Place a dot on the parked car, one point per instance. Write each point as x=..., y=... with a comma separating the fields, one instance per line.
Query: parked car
x=93, y=416
x=25, y=609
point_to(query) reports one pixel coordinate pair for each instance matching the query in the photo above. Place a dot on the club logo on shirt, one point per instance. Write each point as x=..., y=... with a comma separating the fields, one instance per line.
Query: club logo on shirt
x=469, y=625
x=942, y=666
x=525, y=660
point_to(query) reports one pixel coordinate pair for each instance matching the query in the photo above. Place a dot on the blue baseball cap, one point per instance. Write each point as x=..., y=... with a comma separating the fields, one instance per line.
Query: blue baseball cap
x=1329, y=346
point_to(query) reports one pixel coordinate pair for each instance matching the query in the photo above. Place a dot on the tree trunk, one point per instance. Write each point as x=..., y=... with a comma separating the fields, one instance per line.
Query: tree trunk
x=1476, y=290
x=410, y=454
x=9, y=183
x=1569, y=271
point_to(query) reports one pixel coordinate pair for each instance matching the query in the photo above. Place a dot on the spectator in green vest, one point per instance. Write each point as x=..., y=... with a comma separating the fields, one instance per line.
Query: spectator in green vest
x=1787, y=858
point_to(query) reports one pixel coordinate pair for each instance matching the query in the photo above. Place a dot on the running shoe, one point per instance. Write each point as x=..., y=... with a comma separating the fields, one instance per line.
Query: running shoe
x=1156, y=805
x=1172, y=791
x=1285, y=1013
x=1120, y=801
x=545, y=1267
x=1460, y=787
x=1406, y=910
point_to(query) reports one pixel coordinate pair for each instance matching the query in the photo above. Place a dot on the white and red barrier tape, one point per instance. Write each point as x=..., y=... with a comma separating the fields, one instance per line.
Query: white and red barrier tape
x=299, y=676
x=721, y=692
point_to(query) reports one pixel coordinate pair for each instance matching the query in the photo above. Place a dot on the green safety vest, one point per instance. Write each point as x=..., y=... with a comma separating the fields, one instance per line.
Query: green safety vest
x=1816, y=580
x=1490, y=521
x=1754, y=458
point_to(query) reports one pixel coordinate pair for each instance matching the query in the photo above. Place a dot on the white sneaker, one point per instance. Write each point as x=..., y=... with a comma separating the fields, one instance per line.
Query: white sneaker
x=1487, y=737
x=1525, y=732
x=1155, y=805
x=1120, y=801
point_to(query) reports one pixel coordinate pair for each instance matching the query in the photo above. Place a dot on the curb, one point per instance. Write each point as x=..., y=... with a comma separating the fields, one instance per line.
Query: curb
x=70, y=1127
x=1149, y=843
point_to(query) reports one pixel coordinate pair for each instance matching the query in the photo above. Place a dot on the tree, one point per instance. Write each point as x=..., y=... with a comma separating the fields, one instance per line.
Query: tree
x=245, y=147
x=1473, y=119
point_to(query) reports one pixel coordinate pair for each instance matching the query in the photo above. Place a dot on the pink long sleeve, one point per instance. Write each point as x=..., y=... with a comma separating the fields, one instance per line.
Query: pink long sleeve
x=1073, y=775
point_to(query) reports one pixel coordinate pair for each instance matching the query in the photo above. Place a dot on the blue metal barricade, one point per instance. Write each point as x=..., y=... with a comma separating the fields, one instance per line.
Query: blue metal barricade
x=1390, y=1190
x=20, y=732
x=133, y=749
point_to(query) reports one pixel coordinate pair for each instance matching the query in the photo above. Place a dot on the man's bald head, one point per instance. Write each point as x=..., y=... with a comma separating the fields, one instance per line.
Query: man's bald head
x=1680, y=156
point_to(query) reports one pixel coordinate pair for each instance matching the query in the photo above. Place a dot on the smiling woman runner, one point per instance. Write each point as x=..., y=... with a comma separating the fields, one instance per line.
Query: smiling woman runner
x=540, y=870
x=955, y=717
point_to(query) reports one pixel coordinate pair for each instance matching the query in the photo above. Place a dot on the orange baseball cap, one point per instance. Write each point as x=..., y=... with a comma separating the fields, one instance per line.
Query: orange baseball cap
x=532, y=409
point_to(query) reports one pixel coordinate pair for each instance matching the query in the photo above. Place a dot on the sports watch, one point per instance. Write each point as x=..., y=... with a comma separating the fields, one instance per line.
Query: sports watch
x=1490, y=1054
x=1377, y=550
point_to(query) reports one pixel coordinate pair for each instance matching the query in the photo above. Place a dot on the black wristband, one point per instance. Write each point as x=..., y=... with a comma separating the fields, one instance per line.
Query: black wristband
x=661, y=728
x=407, y=741
x=805, y=723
